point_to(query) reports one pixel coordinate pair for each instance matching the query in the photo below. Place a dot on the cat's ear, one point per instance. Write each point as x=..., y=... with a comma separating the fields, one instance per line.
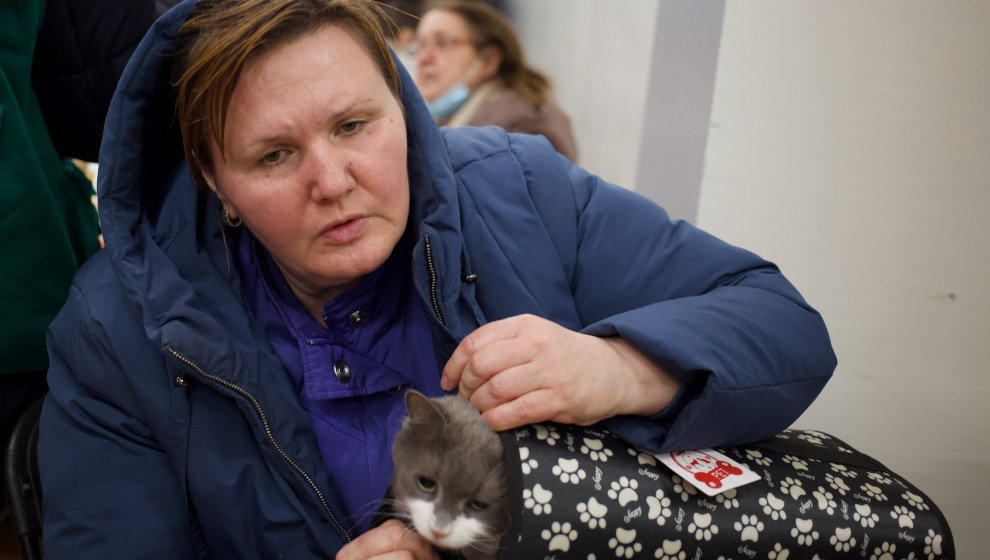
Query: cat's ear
x=421, y=409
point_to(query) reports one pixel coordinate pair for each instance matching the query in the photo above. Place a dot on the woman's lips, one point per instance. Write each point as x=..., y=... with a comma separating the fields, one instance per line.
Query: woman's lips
x=344, y=232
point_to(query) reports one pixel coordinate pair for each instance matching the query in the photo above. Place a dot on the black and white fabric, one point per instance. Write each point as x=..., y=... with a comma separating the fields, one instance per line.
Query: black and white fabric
x=584, y=493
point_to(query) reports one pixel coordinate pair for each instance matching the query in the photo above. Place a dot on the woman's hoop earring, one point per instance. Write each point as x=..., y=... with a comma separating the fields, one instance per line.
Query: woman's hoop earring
x=232, y=222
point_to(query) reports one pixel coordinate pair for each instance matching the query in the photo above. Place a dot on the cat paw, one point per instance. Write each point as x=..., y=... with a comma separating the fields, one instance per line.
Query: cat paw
x=624, y=543
x=843, y=470
x=560, y=536
x=593, y=513
x=879, y=478
x=817, y=434
x=568, y=472
x=642, y=457
x=842, y=540
x=915, y=500
x=702, y=527
x=874, y=492
x=865, y=517
x=904, y=517
x=811, y=437
x=659, y=507
x=686, y=490
x=527, y=465
x=825, y=499
x=803, y=532
x=595, y=449
x=757, y=457
x=624, y=491
x=837, y=483
x=537, y=500
x=548, y=433
x=728, y=498
x=933, y=544
x=778, y=552
x=774, y=507
x=749, y=527
x=884, y=552
x=798, y=463
x=670, y=550
x=792, y=487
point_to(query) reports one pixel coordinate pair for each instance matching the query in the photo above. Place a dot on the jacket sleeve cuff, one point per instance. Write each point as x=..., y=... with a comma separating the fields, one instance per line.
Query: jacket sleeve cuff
x=650, y=431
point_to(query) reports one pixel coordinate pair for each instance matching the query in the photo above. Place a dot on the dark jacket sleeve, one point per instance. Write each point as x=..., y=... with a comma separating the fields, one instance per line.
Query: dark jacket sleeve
x=81, y=51
x=751, y=353
x=109, y=489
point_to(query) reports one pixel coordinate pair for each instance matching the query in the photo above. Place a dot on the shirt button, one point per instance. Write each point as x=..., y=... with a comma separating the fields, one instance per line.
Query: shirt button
x=342, y=371
x=357, y=319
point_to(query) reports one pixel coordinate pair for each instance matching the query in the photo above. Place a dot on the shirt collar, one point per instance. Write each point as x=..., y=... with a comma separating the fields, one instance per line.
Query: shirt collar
x=373, y=302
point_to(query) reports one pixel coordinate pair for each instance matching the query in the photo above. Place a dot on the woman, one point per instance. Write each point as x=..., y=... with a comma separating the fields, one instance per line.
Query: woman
x=226, y=376
x=471, y=71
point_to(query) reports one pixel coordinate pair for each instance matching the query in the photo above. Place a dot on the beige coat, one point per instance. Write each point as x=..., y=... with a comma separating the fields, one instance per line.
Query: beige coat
x=494, y=104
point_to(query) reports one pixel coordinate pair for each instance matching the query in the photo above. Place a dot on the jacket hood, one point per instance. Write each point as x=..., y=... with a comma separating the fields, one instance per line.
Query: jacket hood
x=166, y=241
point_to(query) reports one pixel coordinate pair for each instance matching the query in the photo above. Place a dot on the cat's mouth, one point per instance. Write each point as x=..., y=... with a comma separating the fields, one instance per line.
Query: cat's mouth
x=459, y=534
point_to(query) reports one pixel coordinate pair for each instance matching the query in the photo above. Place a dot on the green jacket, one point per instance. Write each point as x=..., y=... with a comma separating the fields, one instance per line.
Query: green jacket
x=48, y=225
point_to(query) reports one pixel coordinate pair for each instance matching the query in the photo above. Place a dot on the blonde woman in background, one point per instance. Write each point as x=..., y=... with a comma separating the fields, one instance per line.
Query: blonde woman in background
x=471, y=70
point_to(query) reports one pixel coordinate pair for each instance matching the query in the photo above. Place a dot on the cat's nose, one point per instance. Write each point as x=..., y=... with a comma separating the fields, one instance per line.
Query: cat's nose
x=438, y=534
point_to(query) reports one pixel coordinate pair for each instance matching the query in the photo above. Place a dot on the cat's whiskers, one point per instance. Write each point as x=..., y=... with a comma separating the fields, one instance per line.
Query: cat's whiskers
x=406, y=529
x=388, y=504
x=486, y=543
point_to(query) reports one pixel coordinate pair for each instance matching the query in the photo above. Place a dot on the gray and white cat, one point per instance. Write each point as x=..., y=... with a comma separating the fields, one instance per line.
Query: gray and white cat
x=449, y=480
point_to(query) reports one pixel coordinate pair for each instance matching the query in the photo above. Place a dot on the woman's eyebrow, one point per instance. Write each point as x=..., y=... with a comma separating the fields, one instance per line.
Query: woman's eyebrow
x=335, y=115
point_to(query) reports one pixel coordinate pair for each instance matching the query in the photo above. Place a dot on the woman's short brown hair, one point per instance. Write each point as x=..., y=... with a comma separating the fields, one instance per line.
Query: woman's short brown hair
x=220, y=37
x=490, y=28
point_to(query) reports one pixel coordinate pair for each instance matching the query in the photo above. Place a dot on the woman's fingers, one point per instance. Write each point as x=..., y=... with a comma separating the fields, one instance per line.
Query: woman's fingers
x=506, y=385
x=481, y=338
x=491, y=362
x=390, y=540
x=536, y=406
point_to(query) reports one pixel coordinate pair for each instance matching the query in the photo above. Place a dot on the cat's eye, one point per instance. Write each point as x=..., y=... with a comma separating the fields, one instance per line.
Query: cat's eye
x=426, y=484
x=478, y=506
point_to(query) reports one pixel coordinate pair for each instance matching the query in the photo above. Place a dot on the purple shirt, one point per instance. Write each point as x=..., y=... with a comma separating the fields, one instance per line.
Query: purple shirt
x=352, y=374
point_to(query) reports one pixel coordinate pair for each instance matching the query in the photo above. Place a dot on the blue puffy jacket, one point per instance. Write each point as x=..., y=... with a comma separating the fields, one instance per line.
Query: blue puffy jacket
x=173, y=431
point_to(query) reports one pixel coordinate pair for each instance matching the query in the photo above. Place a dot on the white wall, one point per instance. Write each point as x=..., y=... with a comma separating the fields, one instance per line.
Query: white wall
x=850, y=143
x=678, y=104
x=598, y=56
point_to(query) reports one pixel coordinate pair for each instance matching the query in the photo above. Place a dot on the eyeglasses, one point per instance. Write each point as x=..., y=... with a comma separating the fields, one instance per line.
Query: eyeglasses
x=438, y=44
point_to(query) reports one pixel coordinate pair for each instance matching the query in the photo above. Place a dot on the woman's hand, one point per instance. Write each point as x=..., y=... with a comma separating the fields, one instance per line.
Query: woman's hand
x=389, y=541
x=525, y=369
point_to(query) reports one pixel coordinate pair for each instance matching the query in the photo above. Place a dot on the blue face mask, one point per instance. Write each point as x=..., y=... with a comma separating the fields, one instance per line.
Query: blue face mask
x=449, y=101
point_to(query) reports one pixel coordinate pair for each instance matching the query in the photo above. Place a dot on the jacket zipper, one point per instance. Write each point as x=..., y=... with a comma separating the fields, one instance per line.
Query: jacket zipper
x=433, y=280
x=268, y=432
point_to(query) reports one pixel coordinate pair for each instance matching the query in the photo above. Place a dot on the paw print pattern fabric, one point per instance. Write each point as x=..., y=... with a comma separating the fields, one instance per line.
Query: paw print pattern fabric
x=581, y=492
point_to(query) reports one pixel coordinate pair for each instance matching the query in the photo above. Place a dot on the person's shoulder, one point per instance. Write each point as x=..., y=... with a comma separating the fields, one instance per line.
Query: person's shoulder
x=96, y=275
x=507, y=103
x=515, y=112
x=511, y=109
x=468, y=144
x=96, y=294
x=496, y=168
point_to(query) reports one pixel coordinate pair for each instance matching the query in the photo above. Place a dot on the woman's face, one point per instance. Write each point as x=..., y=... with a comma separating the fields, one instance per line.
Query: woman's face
x=315, y=162
x=445, y=55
